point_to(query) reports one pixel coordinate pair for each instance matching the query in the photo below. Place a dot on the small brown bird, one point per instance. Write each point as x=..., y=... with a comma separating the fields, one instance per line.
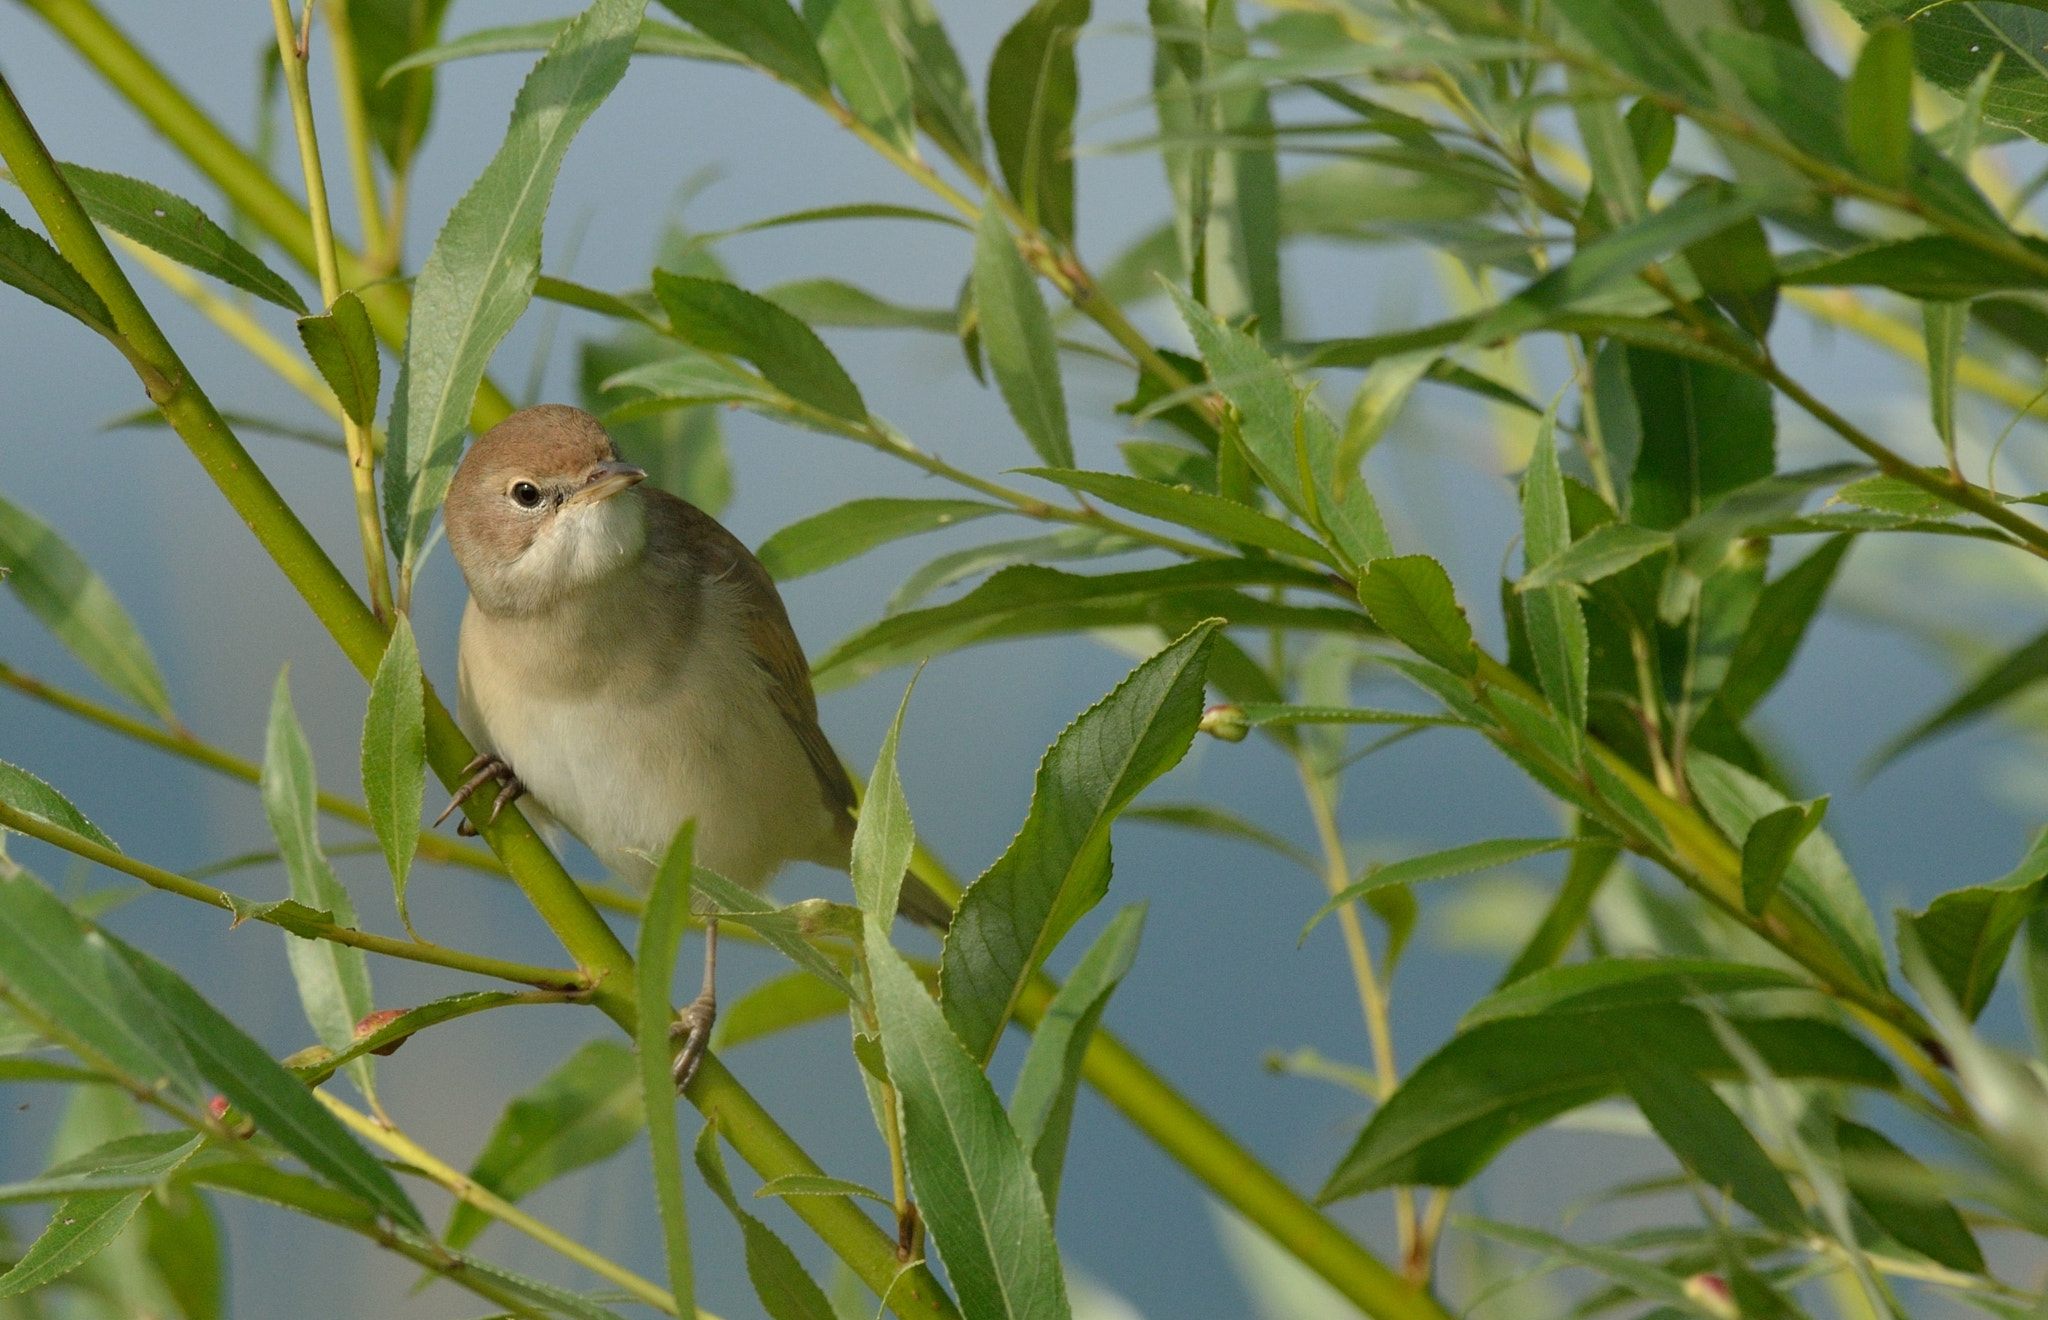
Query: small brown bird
x=627, y=664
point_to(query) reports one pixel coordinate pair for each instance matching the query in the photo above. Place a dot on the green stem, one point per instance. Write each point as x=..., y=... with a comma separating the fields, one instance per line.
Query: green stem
x=361, y=459
x=245, y=182
x=419, y=951
x=539, y=874
x=355, y=124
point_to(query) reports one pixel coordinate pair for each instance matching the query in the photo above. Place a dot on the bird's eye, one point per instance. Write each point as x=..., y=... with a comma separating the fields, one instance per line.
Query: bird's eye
x=526, y=495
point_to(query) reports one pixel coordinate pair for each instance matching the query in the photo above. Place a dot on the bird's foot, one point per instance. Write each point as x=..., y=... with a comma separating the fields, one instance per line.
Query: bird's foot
x=483, y=770
x=694, y=1026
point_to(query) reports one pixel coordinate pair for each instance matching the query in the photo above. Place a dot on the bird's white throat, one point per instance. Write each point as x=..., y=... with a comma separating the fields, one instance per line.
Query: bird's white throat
x=585, y=541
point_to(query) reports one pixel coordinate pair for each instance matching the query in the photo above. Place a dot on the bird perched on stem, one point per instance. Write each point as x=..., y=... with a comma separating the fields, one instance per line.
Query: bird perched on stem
x=627, y=664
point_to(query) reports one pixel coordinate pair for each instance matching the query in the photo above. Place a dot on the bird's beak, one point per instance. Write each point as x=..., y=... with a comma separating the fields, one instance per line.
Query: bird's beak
x=607, y=480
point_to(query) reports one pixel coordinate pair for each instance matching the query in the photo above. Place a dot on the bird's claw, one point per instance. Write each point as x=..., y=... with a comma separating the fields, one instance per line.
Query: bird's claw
x=484, y=769
x=694, y=1026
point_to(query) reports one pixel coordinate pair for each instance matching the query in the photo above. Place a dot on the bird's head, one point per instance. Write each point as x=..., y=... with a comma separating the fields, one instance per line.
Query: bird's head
x=541, y=507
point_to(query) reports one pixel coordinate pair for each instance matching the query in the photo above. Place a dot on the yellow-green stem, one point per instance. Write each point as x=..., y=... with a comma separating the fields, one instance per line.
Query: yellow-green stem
x=361, y=460
x=467, y=1190
x=355, y=127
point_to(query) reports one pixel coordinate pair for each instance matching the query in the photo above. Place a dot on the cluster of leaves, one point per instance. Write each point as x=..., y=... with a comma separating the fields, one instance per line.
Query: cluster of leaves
x=1755, y=1018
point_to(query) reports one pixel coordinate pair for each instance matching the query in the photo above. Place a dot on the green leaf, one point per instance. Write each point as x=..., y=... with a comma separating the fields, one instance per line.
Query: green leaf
x=1591, y=864
x=785, y=1290
x=1934, y=267
x=940, y=95
x=82, y=1228
x=1965, y=933
x=784, y=929
x=1610, y=149
x=1261, y=713
x=1610, y=983
x=586, y=1110
x=1018, y=334
x=959, y=565
x=837, y=303
x=2004, y=679
x=1058, y=866
x=75, y=604
x=1706, y=431
x=1461, y=860
x=723, y=318
x=186, y=1246
x=1042, y=1103
x=1201, y=817
x=1289, y=440
x=686, y=379
x=399, y=109
x=1817, y=882
x=333, y=979
x=1635, y=35
x=1410, y=596
x=29, y=263
x=1638, y=1278
x=481, y=272
x=26, y=793
x=661, y=929
x=1033, y=88
x=884, y=837
x=343, y=346
x=765, y=33
x=1902, y=1195
x=1616, y=256
x=1225, y=520
x=856, y=527
x=257, y=1085
x=1944, y=324
x=975, y=1184
x=793, y=999
x=1777, y=626
x=1877, y=113
x=1735, y=269
x=1600, y=554
x=1710, y=1140
x=58, y=974
x=858, y=44
x=1768, y=847
x=394, y=757
x=1555, y=622
x=1028, y=600
x=167, y=223
x=812, y=1184
x=391, y=1032
x=656, y=38
x=1490, y=1084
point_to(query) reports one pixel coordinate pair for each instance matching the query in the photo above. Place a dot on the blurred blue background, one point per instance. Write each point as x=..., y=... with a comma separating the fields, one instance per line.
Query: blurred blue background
x=1220, y=982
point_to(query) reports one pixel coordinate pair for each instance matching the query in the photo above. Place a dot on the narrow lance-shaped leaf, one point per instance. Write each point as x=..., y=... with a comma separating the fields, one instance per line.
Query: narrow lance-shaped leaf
x=1735, y=269
x=1033, y=88
x=1461, y=860
x=1877, y=113
x=1610, y=149
x=884, y=837
x=169, y=224
x=1965, y=933
x=975, y=1184
x=480, y=274
x=1058, y=866
x=1018, y=334
x=343, y=346
x=333, y=979
x=724, y=318
x=794, y=999
x=2005, y=679
x=1198, y=511
x=1710, y=1140
x=661, y=930
x=1635, y=35
x=1411, y=598
x=29, y=794
x=29, y=263
x=75, y=603
x=1783, y=613
x=940, y=94
x=785, y=1290
x=260, y=1087
x=394, y=757
x=1042, y=1103
x=1556, y=623
x=1768, y=847
x=856, y=527
x=82, y=1228
x=656, y=38
x=858, y=43
x=586, y=1110
x=1902, y=1195
x=765, y=33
